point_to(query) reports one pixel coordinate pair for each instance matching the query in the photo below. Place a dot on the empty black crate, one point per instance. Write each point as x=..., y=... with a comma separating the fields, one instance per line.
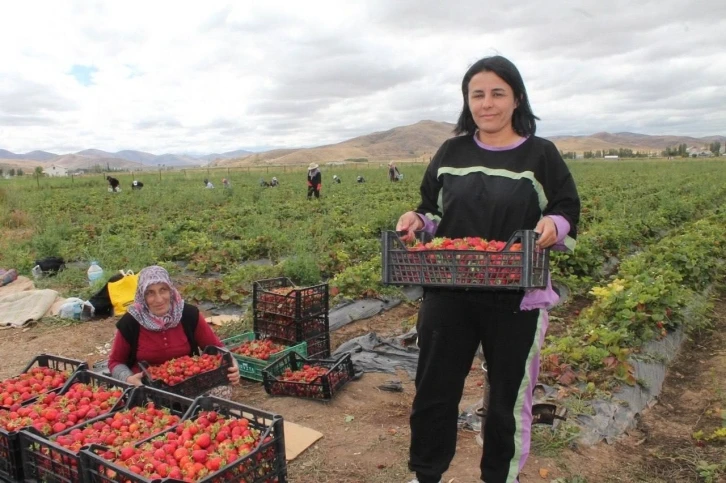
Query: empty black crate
x=11, y=466
x=45, y=460
x=199, y=383
x=319, y=346
x=337, y=373
x=512, y=267
x=280, y=296
x=264, y=464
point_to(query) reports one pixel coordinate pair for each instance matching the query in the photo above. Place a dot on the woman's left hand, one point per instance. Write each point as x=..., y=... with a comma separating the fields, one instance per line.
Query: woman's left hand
x=233, y=375
x=547, y=232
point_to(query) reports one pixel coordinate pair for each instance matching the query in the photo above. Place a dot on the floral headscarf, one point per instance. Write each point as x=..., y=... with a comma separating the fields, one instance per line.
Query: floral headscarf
x=140, y=311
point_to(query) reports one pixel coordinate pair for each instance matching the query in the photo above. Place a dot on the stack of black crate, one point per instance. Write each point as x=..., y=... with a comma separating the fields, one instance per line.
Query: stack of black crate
x=290, y=314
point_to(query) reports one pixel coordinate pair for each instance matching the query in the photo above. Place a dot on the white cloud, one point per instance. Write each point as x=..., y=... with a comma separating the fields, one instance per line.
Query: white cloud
x=215, y=76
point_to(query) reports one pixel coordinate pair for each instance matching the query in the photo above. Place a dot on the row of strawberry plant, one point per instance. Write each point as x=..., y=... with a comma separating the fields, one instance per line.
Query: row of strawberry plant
x=646, y=298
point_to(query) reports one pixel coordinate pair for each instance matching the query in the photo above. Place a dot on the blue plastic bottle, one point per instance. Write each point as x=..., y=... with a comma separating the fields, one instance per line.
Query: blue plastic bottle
x=94, y=272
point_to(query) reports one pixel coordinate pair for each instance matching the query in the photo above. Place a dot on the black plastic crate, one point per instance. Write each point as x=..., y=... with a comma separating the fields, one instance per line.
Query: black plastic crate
x=319, y=346
x=338, y=372
x=280, y=296
x=285, y=329
x=61, y=364
x=527, y=267
x=11, y=467
x=264, y=464
x=198, y=384
x=46, y=460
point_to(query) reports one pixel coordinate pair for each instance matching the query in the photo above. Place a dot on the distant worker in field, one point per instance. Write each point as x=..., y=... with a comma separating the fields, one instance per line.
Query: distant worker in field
x=113, y=184
x=315, y=181
x=274, y=182
x=225, y=183
x=393, y=173
x=264, y=183
x=208, y=184
x=137, y=185
x=336, y=179
x=360, y=179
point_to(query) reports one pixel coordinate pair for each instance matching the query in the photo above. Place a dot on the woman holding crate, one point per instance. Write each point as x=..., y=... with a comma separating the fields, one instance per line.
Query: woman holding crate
x=495, y=178
x=158, y=327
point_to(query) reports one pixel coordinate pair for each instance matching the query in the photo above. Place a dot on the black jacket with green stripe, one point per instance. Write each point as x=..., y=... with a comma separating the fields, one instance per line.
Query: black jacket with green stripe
x=472, y=191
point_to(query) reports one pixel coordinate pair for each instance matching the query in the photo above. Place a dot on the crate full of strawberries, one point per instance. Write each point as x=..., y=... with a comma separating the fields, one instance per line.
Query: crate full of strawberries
x=43, y=374
x=147, y=413
x=218, y=441
x=470, y=262
x=294, y=375
x=280, y=296
x=85, y=395
x=190, y=376
x=253, y=354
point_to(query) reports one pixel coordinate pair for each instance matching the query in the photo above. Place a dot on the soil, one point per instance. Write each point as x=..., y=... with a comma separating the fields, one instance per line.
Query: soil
x=366, y=430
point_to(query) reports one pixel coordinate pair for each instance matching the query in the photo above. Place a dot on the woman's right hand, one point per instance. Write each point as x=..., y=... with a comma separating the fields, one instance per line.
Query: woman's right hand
x=409, y=222
x=135, y=380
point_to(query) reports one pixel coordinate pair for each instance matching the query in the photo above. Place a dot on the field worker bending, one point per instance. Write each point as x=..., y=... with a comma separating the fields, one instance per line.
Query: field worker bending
x=495, y=178
x=208, y=184
x=360, y=179
x=315, y=181
x=393, y=173
x=225, y=183
x=336, y=179
x=136, y=185
x=113, y=185
x=274, y=182
x=160, y=326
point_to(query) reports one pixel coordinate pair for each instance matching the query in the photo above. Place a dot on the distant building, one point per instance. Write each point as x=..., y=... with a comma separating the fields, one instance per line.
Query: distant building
x=55, y=171
x=611, y=156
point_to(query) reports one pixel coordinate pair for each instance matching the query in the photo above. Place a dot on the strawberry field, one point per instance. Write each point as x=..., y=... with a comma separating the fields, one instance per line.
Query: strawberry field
x=650, y=252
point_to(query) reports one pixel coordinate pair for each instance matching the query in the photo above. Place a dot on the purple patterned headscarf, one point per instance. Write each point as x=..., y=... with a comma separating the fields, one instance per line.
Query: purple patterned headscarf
x=140, y=311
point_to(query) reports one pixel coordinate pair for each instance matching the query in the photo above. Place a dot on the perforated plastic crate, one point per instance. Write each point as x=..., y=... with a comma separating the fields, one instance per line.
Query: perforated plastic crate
x=44, y=459
x=265, y=463
x=337, y=373
x=280, y=296
x=527, y=267
x=198, y=384
x=11, y=467
x=250, y=367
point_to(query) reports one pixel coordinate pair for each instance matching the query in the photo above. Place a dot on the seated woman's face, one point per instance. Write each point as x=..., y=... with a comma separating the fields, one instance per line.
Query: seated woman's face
x=158, y=298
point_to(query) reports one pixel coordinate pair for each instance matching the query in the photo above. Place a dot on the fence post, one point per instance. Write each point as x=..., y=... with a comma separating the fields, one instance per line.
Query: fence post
x=159, y=175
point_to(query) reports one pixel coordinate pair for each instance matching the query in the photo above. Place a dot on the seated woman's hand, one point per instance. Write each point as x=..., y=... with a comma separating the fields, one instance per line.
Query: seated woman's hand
x=135, y=380
x=233, y=374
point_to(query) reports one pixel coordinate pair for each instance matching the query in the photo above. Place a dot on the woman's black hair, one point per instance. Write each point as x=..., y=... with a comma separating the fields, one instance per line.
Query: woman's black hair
x=523, y=119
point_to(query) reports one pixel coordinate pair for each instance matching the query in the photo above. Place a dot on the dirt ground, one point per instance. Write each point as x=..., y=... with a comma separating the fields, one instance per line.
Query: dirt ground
x=366, y=430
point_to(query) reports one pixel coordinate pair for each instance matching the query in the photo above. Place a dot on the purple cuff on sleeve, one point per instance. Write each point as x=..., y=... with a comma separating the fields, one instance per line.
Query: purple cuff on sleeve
x=430, y=225
x=563, y=228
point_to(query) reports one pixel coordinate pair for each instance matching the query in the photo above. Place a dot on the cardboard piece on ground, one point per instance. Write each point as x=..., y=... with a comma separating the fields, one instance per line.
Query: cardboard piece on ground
x=298, y=439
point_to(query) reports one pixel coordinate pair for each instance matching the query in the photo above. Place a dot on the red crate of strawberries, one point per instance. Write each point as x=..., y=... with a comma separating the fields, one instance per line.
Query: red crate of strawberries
x=147, y=413
x=190, y=376
x=280, y=296
x=470, y=262
x=294, y=375
x=218, y=441
x=84, y=396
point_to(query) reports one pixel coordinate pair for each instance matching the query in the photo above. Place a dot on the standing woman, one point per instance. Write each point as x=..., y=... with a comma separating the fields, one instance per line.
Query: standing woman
x=495, y=178
x=315, y=181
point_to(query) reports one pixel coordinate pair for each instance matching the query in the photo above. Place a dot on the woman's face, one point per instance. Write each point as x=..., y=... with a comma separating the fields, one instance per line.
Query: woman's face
x=158, y=298
x=492, y=103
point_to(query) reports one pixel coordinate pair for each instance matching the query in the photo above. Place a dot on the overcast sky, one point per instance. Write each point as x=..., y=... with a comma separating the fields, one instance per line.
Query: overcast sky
x=211, y=76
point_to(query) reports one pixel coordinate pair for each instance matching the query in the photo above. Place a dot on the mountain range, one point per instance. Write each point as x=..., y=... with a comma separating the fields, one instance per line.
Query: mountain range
x=415, y=141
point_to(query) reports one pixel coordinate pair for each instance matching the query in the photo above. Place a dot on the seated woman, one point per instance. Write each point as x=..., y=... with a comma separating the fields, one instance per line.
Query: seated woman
x=159, y=326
